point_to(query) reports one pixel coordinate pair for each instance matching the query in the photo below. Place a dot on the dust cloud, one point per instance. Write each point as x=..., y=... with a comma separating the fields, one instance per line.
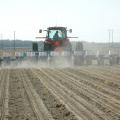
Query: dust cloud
x=53, y=62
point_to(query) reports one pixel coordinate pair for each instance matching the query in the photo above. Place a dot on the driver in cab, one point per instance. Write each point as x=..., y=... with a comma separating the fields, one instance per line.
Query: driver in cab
x=56, y=36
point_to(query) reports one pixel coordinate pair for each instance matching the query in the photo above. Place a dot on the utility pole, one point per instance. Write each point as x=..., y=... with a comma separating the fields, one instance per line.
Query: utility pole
x=14, y=39
x=14, y=42
x=109, y=37
x=112, y=37
x=110, y=31
x=1, y=38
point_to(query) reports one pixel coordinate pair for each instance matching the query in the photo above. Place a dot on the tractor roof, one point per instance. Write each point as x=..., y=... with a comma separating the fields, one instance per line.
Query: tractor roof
x=56, y=27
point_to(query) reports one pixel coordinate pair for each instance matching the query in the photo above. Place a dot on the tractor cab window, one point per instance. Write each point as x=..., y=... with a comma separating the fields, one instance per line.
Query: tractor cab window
x=56, y=34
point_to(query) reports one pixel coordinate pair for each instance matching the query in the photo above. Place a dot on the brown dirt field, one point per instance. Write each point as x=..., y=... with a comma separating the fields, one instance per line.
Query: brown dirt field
x=84, y=93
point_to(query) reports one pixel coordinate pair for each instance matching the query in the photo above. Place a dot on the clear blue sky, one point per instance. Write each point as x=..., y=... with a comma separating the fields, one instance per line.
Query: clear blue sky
x=89, y=19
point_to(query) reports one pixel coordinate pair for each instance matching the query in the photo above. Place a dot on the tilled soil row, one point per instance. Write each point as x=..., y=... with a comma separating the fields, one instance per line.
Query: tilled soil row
x=19, y=105
x=4, y=88
x=86, y=98
x=38, y=106
x=86, y=93
x=94, y=81
x=107, y=98
x=54, y=106
x=107, y=75
x=108, y=107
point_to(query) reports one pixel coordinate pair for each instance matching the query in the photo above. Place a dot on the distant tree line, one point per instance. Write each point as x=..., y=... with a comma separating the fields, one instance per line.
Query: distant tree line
x=6, y=44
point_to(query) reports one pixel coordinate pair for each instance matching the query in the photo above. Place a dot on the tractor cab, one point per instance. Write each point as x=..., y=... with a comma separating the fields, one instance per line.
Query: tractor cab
x=56, y=38
x=57, y=33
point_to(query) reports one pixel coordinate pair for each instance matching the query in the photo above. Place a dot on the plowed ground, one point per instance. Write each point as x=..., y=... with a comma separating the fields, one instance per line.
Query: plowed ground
x=85, y=93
